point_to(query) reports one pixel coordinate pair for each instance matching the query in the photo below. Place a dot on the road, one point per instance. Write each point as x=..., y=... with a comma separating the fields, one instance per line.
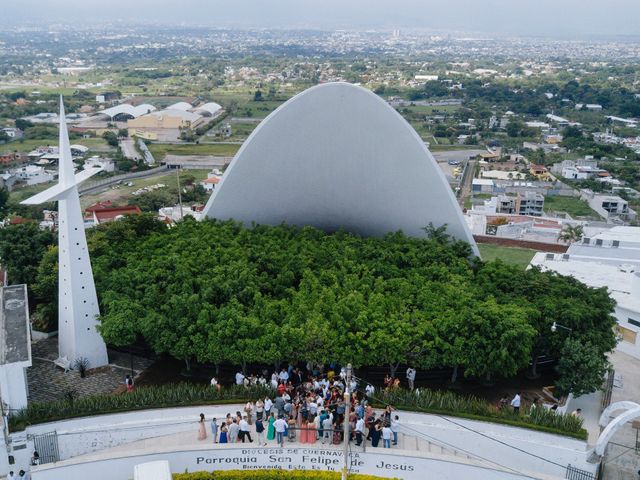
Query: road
x=129, y=149
x=95, y=187
x=467, y=181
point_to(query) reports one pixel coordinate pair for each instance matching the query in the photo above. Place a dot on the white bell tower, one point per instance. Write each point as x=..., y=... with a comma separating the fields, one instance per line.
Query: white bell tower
x=77, y=302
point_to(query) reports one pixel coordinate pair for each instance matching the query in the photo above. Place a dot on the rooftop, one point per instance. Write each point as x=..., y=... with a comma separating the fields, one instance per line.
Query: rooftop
x=622, y=282
x=15, y=342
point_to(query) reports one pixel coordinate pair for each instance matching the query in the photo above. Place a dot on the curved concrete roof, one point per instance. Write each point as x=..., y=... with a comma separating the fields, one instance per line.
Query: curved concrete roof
x=211, y=108
x=127, y=109
x=337, y=155
x=180, y=106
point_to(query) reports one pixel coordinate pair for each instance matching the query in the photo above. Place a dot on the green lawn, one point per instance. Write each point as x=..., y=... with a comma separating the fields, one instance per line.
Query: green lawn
x=159, y=150
x=22, y=193
x=431, y=110
x=512, y=255
x=571, y=205
x=28, y=144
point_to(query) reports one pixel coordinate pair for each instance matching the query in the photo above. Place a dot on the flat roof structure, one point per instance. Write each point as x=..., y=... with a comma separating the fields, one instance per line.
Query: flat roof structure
x=338, y=156
x=615, y=246
x=15, y=338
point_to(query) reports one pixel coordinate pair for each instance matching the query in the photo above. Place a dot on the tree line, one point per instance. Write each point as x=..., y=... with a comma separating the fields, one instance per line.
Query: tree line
x=216, y=292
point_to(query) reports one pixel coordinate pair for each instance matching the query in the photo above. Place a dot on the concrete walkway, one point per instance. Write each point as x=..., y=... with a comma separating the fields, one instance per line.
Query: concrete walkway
x=622, y=460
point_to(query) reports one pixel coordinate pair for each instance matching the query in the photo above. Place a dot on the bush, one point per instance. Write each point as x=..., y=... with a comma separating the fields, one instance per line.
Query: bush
x=269, y=475
x=184, y=394
x=473, y=408
x=164, y=396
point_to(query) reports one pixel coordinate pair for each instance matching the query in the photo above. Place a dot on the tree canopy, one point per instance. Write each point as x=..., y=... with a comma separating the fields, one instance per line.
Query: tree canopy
x=217, y=292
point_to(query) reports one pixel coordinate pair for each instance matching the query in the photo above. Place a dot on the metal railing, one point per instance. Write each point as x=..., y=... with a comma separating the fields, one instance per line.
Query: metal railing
x=574, y=473
x=46, y=445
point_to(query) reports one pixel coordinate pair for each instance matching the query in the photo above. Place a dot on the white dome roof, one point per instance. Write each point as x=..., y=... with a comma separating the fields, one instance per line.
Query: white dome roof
x=338, y=156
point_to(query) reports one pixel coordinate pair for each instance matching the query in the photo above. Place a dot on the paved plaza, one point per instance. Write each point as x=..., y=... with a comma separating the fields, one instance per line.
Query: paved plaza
x=49, y=382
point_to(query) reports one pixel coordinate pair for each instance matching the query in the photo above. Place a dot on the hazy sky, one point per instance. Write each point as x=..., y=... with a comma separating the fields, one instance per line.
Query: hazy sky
x=527, y=17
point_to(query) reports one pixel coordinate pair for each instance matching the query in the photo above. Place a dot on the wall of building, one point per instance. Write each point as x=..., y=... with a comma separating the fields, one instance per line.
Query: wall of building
x=13, y=385
x=623, y=315
x=89, y=435
x=374, y=463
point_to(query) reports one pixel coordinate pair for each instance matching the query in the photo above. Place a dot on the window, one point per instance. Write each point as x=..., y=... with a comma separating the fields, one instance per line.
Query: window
x=626, y=334
x=634, y=322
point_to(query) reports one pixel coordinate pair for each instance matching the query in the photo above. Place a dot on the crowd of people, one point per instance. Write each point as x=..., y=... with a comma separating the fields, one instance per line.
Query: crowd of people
x=308, y=406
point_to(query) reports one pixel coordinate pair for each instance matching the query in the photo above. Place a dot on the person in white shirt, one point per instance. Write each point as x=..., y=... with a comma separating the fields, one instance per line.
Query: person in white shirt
x=11, y=476
x=515, y=403
x=411, y=377
x=239, y=378
x=369, y=390
x=359, y=430
x=267, y=407
x=395, y=426
x=214, y=383
x=274, y=380
x=234, y=429
x=313, y=408
x=283, y=376
x=245, y=431
x=327, y=427
x=280, y=425
x=386, y=437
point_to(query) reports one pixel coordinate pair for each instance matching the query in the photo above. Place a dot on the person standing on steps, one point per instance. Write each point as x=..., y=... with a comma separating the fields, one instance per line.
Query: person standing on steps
x=280, y=426
x=359, y=429
x=214, y=430
x=262, y=442
x=245, y=430
x=202, y=431
x=271, y=431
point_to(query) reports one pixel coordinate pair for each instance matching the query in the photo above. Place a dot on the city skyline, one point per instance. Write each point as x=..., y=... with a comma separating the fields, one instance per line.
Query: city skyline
x=562, y=19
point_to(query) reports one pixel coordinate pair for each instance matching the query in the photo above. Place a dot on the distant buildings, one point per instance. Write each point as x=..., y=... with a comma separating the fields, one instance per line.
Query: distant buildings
x=106, y=164
x=33, y=175
x=104, y=213
x=526, y=203
x=213, y=178
x=582, y=169
x=609, y=206
x=13, y=133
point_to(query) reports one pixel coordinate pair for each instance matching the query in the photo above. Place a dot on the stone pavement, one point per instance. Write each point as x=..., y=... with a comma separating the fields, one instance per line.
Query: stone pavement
x=621, y=460
x=48, y=382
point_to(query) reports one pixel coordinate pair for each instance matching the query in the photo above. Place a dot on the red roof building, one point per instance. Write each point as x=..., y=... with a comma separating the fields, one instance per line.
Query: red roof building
x=108, y=214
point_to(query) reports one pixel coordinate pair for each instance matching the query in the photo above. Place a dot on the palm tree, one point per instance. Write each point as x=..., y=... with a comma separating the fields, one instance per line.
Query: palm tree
x=571, y=233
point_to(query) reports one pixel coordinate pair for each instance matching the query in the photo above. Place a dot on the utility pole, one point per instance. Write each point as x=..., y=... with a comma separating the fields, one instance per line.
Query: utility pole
x=179, y=192
x=347, y=400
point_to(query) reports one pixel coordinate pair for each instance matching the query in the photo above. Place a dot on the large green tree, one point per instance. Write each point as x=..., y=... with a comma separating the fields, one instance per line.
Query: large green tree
x=216, y=292
x=21, y=250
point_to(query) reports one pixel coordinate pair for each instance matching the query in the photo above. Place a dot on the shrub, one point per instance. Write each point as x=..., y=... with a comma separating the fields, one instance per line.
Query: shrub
x=174, y=395
x=449, y=403
x=184, y=394
x=269, y=475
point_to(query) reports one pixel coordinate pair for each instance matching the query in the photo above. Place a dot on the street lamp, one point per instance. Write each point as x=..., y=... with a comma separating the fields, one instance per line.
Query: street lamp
x=556, y=325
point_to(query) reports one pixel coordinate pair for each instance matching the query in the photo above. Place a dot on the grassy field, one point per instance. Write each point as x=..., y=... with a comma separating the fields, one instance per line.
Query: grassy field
x=429, y=110
x=512, y=255
x=26, y=145
x=571, y=205
x=122, y=194
x=159, y=150
x=448, y=148
x=22, y=193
